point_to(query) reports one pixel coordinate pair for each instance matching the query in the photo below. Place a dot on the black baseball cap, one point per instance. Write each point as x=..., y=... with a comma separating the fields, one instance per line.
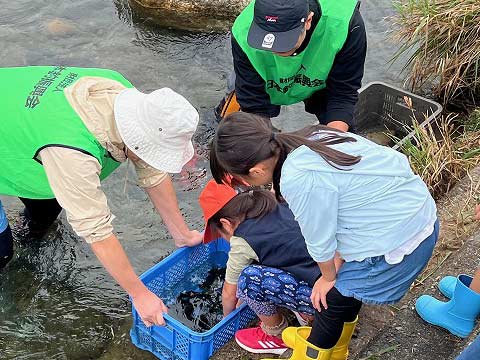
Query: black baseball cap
x=277, y=24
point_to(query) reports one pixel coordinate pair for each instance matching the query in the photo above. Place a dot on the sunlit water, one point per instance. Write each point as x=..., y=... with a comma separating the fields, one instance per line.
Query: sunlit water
x=56, y=301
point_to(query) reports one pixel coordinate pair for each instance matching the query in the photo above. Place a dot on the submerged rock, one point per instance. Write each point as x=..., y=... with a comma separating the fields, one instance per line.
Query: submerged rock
x=211, y=15
x=60, y=27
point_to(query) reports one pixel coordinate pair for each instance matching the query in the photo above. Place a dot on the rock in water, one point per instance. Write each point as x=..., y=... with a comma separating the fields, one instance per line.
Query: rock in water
x=60, y=27
x=211, y=15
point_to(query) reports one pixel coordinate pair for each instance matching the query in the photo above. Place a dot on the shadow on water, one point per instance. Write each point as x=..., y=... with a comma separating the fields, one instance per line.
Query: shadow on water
x=56, y=301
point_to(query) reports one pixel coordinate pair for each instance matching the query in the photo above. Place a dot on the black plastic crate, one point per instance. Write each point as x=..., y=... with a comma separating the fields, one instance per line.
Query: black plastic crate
x=382, y=107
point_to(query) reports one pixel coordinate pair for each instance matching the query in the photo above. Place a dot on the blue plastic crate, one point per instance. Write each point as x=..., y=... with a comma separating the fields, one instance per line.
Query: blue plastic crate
x=175, y=341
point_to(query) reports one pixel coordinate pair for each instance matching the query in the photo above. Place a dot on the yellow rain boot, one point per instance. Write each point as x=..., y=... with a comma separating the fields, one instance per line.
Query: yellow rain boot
x=340, y=350
x=289, y=335
x=296, y=339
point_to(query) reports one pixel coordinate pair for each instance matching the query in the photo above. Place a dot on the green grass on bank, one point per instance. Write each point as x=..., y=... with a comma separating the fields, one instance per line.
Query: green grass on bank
x=441, y=39
x=443, y=153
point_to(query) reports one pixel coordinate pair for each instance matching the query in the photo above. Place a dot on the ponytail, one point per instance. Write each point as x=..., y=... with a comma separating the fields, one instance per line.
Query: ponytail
x=243, y=140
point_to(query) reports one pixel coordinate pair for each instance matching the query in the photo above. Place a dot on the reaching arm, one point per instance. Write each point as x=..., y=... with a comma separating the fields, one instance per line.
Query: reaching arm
x=158, y=186
x=229, y=298
x=165, y=200
x=239, y=257
x=74, y=179
x=110, y=253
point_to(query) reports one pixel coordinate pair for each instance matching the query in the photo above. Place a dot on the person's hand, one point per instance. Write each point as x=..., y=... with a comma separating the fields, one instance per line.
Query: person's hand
x=150, y=308
x=192, y=238
x=477, y=212
x=320, y=291
x=339, y=125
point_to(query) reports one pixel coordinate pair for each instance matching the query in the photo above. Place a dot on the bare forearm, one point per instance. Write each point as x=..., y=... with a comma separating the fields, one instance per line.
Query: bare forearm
x=328, y=270
x=165, y=200
x=229, y=298
x=112, y=256
x=338, y=261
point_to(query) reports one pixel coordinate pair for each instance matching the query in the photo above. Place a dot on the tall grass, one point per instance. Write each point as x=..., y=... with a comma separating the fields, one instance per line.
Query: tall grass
x=442, y=41
x=441, y=155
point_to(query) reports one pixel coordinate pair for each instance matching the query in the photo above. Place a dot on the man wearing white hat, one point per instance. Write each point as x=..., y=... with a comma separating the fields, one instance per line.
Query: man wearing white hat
x=66, y=129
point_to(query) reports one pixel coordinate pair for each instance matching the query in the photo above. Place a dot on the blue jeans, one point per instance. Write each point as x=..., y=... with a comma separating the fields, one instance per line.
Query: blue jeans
x=472, y=351
x=374, y=281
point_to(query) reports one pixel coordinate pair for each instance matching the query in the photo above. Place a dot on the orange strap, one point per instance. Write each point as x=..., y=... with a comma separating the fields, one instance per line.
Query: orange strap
x=231, y=105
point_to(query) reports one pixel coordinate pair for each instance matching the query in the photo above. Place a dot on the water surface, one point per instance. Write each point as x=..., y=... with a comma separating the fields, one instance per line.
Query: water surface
x=56, y=300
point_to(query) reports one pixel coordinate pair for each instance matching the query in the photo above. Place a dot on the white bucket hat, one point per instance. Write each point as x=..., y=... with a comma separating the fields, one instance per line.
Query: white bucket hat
x=158, y=127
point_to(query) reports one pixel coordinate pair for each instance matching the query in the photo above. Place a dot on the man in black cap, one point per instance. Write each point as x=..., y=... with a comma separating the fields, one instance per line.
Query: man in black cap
x=287, y=51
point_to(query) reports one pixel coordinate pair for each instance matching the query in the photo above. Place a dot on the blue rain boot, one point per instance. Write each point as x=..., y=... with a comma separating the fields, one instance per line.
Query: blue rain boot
x=457, y=315
x=447, y=286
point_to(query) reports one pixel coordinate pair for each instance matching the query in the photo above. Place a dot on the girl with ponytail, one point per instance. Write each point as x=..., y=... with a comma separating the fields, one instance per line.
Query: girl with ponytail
x=348, y=195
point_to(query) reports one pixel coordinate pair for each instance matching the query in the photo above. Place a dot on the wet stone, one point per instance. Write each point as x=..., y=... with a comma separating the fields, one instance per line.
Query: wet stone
x=210, y=15
x=60, y=27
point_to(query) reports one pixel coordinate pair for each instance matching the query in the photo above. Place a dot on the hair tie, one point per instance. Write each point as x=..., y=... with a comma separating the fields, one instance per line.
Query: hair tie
x=273, y=136
x=250, y=192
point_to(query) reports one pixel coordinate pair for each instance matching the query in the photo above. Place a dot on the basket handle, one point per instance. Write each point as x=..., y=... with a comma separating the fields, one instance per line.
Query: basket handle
x=165, y=333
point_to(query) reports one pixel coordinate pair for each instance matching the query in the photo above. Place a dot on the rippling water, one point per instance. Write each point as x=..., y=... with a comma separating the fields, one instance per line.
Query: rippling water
x=56, y=301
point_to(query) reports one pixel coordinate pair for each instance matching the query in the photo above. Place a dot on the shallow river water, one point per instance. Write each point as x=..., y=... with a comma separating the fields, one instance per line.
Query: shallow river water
x=56, y=301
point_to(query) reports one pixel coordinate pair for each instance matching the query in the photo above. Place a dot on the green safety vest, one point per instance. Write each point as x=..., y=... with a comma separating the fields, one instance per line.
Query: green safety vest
x=289, y=80
x=36, y=114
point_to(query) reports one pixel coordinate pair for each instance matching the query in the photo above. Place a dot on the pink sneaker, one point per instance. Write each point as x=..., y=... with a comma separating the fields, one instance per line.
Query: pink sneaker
x=256, y=341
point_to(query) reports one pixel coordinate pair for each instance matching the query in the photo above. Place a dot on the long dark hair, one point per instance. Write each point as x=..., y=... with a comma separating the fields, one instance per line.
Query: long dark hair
x=243, y=140
x=250, y=204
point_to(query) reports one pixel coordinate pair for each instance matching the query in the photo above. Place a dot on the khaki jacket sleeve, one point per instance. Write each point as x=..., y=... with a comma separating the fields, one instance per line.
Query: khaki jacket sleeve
x=240, y=256
x=148, y=177
x=74, y=179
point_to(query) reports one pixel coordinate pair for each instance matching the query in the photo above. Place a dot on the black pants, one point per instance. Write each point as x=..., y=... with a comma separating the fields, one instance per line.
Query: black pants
x=328, y=324
x=40, y=215
x=6, y=247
